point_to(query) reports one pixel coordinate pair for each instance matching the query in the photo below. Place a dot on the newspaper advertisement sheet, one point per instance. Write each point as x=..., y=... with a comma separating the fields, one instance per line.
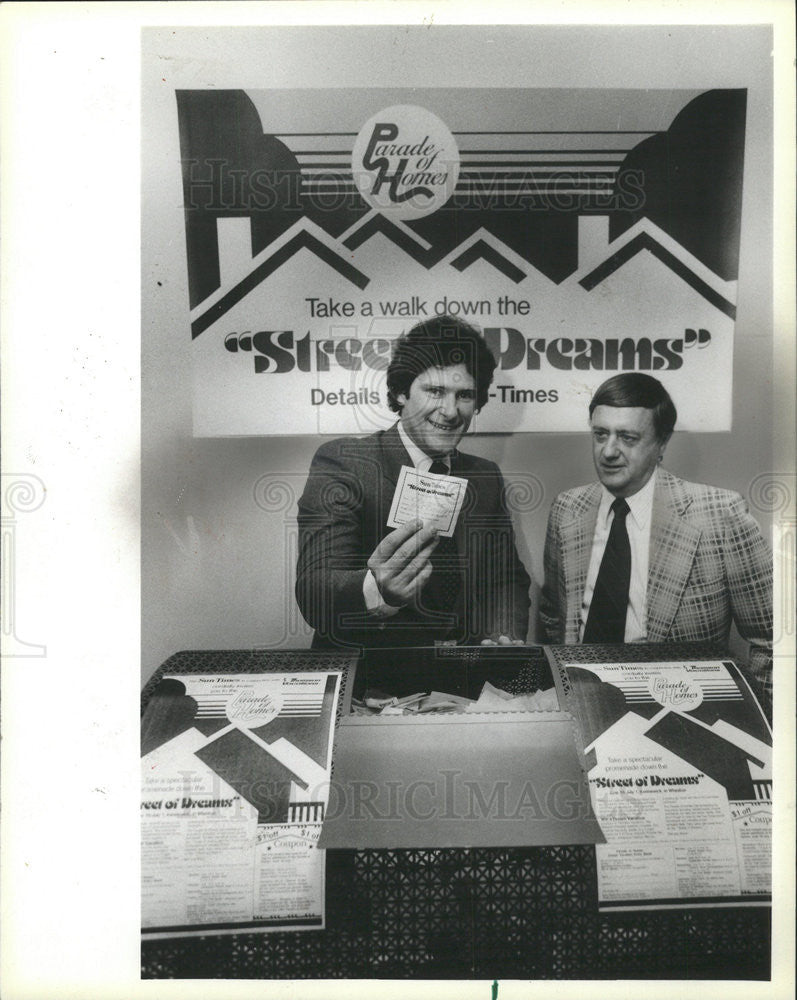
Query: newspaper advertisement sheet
x=679, y=760
x=235, y=776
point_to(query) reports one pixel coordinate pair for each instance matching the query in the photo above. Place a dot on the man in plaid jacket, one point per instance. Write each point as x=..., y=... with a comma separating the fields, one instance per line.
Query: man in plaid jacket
x=698, y=559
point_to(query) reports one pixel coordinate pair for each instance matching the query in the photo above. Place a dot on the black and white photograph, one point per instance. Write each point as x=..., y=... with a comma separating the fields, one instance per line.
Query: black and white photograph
x=444, y=426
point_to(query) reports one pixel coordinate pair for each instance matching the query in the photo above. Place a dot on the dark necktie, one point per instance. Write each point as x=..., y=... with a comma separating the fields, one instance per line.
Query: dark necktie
x=441, y=592
x=607, y=610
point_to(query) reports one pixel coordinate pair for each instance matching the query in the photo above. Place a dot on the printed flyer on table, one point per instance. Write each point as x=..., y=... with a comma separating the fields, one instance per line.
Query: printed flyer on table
x=679, y=760
x=235, y=773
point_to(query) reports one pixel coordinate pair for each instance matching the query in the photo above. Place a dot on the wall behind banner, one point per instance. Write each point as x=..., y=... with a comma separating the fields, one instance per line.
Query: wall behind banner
x=218, y=515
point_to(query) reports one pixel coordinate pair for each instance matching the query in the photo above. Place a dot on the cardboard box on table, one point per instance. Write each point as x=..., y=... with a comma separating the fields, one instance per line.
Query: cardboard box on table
x=491, y=779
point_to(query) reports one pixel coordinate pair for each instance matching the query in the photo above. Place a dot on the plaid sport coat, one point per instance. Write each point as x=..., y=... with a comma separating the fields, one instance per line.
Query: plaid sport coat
x=709, y=565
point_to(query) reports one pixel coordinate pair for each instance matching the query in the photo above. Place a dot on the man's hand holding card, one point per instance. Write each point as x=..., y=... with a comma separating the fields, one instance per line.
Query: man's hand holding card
x=425, y=507
x=433, y=499
x=400, y=563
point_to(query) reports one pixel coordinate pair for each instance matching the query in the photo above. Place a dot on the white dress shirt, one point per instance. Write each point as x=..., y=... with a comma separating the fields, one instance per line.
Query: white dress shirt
x=421, y=463
x=637, y=524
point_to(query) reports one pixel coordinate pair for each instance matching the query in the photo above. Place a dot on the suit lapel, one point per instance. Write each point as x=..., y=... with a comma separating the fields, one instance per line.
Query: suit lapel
x=673, y=543
x=380, y=476
x=577, y=532
x=394, y=455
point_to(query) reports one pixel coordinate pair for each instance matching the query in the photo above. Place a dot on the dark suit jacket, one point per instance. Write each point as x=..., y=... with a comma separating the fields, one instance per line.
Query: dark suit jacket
x=709, y=565
x=343, y=516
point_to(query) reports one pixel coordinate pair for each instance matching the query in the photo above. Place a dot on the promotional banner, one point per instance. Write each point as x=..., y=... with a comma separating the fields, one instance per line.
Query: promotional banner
x=585, y=232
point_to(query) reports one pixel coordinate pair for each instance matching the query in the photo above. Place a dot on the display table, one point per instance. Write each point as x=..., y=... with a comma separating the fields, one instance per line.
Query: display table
x=460, y=913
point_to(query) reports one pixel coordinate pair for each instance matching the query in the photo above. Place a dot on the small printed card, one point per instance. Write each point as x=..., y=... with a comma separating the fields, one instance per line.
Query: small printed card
x=432, y=498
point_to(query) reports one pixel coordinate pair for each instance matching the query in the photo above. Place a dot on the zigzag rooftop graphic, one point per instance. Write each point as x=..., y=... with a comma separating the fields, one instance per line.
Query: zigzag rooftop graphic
x=352, y=259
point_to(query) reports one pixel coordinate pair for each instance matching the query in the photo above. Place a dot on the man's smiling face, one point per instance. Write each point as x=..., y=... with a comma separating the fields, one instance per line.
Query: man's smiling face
x=625, y=448
x=439, y=408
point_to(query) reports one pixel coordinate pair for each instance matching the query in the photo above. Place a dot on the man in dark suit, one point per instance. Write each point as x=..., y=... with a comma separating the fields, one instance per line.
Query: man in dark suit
x=360, y=583
x=644, y=556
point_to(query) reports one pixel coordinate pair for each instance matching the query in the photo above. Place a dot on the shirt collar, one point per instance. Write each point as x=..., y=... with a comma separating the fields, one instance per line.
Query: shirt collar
x=640, y=504
x=418, y=456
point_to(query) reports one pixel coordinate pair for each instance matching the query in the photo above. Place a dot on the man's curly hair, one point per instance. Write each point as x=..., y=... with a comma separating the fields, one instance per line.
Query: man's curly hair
x=439, y=343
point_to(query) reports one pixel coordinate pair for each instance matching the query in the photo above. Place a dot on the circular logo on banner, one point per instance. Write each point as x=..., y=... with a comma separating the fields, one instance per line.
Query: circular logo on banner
x=405, y=162
x=252, y=710
x=676, y=690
